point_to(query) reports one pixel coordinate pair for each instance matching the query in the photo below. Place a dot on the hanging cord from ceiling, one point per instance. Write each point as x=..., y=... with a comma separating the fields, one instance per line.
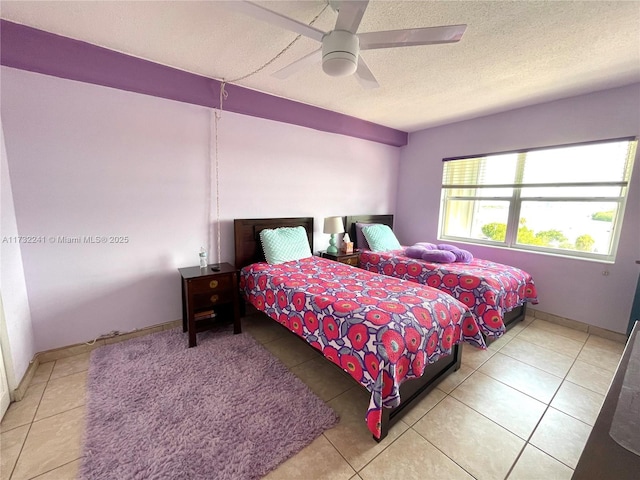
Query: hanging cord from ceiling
x=216, y=118
x=282, y=52
x=223, y=92
x=214, y=174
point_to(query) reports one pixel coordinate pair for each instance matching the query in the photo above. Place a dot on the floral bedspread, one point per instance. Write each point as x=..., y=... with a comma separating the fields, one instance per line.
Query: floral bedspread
x=379, y=329
x=489, y=289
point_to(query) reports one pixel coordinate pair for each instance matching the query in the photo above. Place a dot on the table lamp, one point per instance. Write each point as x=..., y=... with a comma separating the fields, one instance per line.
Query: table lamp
x=333, y=225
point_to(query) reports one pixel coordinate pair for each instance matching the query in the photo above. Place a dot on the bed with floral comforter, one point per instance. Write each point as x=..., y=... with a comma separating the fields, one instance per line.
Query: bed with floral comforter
x=379, y=329
x=489, y=289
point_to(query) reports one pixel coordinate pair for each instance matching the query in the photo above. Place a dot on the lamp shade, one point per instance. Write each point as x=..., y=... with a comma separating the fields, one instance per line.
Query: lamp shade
x=333, y=225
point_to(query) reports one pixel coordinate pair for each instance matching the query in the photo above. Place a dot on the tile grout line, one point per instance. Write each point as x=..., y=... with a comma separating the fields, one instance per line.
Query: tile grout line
x=528, y=441
x=449, y=395
x=548, y=405
x=535, y=366
x=20, y=453
x=550, y=330
x=59, y=466
x=46, y=383
x=431, y=443
x=564, y=379
x=340, y=453
x=380, y=452
x=410, y=427
x=49, y=471
x=324, y=433
x=435, y=446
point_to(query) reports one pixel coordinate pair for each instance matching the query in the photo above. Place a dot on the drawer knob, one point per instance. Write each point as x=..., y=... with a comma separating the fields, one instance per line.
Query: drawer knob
x=213, y=283
x=214, y=298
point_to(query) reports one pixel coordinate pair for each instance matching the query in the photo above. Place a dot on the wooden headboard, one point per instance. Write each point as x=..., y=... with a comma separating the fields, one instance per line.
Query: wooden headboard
x=351, y=220
x=247, y=236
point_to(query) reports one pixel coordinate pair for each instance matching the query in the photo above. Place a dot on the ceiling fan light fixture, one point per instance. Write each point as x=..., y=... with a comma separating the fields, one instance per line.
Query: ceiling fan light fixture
x=339, y=64
x=340, y=53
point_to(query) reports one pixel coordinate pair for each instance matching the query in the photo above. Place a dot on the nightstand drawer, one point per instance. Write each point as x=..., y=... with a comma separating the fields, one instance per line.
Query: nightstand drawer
x=354, y=261
x=202, y=300
x=218, y=284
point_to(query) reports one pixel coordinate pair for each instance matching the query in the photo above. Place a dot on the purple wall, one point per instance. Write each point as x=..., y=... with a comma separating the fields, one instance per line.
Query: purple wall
x=570, y=288
x=34, y=50
x=90, y=160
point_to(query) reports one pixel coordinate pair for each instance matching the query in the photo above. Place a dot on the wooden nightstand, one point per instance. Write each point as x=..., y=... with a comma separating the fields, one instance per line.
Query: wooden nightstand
x=352, y=259
x=208, y=297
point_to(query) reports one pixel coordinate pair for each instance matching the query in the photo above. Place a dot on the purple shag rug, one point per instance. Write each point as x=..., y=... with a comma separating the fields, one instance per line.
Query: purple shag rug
x=226, y=409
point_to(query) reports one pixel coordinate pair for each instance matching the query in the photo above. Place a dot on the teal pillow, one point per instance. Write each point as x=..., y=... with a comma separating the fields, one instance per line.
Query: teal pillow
x=285, y=244
x=381, y=238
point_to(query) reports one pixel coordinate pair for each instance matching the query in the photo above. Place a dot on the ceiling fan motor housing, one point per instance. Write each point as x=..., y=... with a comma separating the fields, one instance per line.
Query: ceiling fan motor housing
x=340, y=53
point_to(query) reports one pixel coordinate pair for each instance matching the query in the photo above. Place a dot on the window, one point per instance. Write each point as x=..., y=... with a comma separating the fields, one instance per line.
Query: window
x=567, y=200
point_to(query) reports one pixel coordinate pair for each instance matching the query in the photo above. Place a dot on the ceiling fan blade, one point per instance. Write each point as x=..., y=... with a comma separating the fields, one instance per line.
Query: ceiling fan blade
x=274, y=18
x=350, y=14
x=364, y=75
x=313, y=57
x=411, y=36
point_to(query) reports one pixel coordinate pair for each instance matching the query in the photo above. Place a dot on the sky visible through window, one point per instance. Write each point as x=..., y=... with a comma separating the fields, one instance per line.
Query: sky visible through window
x=569, y=215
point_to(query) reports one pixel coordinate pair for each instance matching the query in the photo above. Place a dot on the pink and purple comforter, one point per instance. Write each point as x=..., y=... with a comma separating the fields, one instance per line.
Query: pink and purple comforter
x=379, y=329
x=489, y=289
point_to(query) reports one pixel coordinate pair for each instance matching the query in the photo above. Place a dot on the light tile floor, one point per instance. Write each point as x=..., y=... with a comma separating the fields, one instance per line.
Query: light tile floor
x=522, y=409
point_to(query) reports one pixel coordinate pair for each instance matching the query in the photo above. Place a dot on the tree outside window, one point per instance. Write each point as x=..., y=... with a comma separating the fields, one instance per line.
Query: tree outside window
x=566, y=200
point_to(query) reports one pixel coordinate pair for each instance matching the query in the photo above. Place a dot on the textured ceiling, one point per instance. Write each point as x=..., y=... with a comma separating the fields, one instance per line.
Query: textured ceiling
x=514, y=53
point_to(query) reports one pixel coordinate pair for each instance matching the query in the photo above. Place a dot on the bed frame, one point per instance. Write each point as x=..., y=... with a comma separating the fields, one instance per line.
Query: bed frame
x=510, y=318
x=249, y=250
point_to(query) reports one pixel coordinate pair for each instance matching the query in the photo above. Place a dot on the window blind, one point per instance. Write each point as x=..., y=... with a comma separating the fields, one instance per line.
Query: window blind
x=601, y=164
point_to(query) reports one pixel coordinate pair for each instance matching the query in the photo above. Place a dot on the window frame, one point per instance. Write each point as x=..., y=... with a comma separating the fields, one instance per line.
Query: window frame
x=515, y=201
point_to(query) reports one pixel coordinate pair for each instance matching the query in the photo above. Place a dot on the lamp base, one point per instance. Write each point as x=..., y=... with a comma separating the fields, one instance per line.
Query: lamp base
x=332, y=245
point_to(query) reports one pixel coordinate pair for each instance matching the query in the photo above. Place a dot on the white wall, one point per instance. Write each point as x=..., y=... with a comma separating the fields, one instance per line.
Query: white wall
x=90, y=160
x=16, y=332
x=569, y=288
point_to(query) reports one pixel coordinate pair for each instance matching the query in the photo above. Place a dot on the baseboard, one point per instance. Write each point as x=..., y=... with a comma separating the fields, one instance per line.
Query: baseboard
x=18, y=393
x=71, y=350
x=78, y=348
x=576, y=325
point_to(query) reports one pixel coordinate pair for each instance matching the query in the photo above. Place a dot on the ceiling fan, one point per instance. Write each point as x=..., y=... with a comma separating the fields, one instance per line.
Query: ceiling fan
x=340, y=51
